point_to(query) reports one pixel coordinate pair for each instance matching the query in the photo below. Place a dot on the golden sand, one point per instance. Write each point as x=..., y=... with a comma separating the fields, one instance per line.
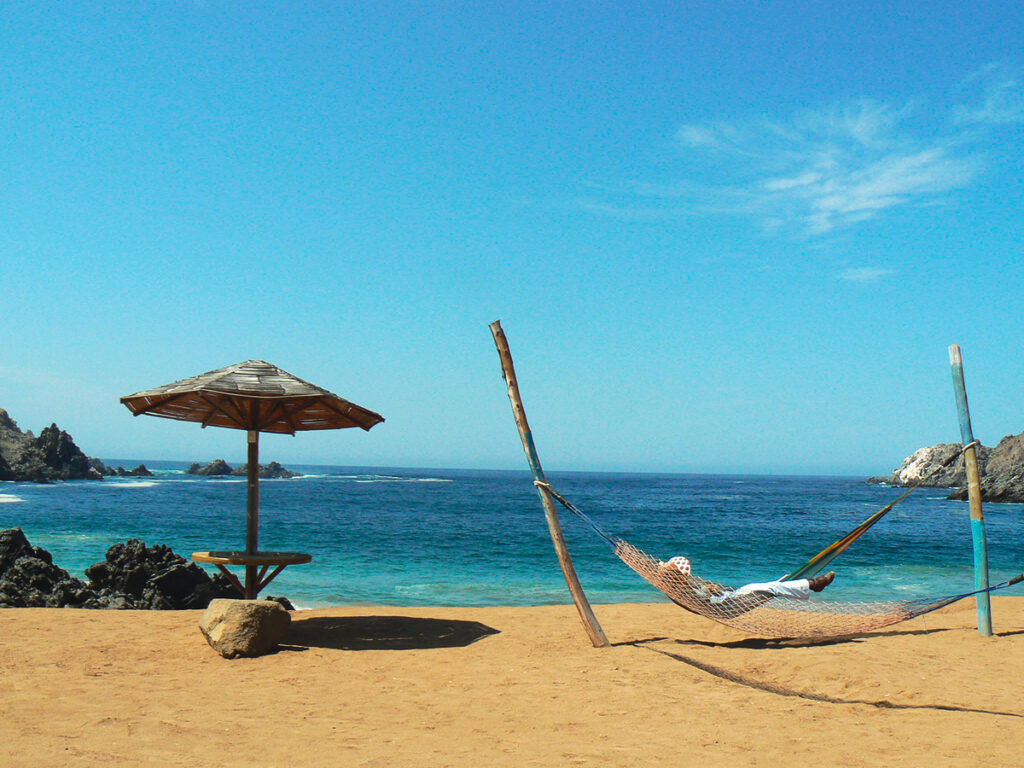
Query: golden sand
x=389, y=686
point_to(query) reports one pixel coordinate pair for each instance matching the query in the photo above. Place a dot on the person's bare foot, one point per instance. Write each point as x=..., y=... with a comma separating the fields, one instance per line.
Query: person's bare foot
x=818, y=583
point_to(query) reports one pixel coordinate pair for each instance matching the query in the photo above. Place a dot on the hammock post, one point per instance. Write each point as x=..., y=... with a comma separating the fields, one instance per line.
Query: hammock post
x=973, y=493
x=590, y=623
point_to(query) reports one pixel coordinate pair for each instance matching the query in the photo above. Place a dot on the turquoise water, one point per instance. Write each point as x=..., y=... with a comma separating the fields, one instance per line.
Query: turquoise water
x=452, y=537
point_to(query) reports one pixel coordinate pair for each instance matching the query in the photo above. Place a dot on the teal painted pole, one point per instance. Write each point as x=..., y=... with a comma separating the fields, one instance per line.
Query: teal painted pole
x=973, y=493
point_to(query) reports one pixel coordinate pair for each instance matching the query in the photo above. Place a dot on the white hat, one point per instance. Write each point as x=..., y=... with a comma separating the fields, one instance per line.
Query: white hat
x=681, y=564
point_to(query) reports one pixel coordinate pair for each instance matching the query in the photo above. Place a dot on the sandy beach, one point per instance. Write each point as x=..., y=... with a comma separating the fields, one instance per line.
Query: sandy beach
x=389, y=686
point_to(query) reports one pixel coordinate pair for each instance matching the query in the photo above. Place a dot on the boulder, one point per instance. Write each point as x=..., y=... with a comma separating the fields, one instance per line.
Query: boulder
x=236, y=628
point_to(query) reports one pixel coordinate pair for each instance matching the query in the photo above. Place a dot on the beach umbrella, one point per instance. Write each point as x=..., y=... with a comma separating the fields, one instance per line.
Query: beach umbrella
x=254, y=396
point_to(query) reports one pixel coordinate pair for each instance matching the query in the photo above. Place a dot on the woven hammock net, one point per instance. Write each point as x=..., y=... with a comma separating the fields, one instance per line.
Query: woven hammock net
x=766, y=615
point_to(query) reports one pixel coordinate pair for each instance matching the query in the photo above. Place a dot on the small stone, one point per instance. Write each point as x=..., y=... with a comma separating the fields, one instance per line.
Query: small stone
x=236, y=628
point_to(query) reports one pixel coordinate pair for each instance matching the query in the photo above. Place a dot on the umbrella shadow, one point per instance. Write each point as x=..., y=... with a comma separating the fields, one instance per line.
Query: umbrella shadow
x=383, y=633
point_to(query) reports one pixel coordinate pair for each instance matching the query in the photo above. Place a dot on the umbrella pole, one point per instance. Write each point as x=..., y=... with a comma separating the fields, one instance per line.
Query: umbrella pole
x=252, y=516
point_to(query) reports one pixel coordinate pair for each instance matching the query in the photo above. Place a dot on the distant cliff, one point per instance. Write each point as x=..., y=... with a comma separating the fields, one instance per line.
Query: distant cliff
x=1001, y=469
x=51, y=456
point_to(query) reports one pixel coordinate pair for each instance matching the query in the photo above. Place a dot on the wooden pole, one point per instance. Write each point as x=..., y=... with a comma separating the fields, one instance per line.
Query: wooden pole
x=252, y=516
x=973, y=493
x=590, y=623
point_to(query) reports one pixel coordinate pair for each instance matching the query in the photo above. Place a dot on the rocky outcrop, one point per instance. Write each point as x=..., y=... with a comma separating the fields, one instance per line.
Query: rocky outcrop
x=1001, y=470
x=1002, y=476
x=119, y=471
x=265, y=471
x=139, y=471
x=931, y=459
x=221, y=467
x=213, y=469
x=155, y=577
x=29, y=579
x=51, y=456
x=132, y=576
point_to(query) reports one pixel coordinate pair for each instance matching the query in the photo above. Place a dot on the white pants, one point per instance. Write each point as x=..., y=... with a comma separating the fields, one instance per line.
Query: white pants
x=798, y=589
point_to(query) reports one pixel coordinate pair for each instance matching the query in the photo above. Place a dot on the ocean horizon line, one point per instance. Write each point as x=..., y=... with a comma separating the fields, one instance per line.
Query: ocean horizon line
x=369, y=468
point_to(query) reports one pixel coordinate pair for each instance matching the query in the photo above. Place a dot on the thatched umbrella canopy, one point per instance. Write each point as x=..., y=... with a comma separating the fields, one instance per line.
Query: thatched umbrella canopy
x=257, y=397
x=254, y=396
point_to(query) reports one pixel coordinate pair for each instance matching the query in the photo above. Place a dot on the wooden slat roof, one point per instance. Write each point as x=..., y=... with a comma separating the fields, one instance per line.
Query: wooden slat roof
x=253, y=395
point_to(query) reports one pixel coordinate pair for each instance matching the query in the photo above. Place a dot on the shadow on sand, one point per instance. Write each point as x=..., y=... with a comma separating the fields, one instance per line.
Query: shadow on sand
x=383, y=633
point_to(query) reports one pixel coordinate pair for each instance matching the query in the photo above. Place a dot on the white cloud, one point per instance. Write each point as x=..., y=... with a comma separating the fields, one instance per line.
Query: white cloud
x=1001, y=100
x=822, y=170
x=866, y=274
x=805, y=179
x=826, y=169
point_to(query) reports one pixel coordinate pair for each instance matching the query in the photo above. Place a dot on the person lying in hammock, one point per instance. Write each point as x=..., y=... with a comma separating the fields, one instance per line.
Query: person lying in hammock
x=797, y=589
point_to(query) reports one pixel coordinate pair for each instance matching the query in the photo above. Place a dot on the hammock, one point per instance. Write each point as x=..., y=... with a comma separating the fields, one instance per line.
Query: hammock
x=766, y=615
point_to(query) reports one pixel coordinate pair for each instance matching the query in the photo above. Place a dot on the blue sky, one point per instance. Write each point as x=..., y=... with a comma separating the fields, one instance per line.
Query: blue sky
x=721, y=237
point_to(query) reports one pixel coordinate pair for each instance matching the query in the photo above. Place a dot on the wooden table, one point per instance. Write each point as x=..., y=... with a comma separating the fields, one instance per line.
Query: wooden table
x=254, y=582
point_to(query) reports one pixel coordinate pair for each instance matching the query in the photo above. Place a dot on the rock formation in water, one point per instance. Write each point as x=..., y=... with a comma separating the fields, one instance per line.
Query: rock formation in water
x=271, y=470
x=51, y=456
x=213, y=469
x=219, y=467
x=139, y=471
x=1001, y=470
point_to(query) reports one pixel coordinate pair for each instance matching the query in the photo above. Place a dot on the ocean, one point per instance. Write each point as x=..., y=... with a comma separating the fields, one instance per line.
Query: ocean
x=458, y=537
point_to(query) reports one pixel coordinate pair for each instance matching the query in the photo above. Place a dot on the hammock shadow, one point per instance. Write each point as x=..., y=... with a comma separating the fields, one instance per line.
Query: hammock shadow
x=779, y=690
x=383, y=633
x=761, y=643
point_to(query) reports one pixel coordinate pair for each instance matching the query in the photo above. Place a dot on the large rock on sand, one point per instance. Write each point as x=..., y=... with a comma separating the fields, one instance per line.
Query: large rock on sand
x=236, y=628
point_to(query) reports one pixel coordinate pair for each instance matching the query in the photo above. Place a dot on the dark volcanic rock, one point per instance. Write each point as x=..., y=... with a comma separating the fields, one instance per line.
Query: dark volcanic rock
x=139, y=471
x=215, y=467
x=271, y=470
x=29, y=579
x=100, y=467
x=61, y=454
x=51, y=456
x=1001, y=470
x=132, y=576
x=155, y=577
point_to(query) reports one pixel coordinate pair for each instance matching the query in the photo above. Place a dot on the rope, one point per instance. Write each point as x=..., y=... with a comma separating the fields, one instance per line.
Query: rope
x=546, y=488
x=817, y=563
x=777, y=616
